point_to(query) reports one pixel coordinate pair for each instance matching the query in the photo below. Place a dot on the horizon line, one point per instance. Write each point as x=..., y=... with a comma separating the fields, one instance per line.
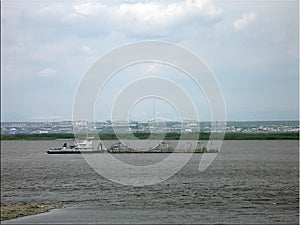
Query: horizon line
x=43, y=121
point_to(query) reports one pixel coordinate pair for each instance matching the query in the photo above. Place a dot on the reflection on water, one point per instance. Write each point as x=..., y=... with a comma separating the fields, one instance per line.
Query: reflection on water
x=249, y=181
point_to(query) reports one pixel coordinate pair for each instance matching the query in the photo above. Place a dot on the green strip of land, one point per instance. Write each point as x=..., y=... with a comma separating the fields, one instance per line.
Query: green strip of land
x=168, y=136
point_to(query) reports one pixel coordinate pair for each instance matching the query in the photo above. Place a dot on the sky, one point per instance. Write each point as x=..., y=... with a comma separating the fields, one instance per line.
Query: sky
x=251, y=47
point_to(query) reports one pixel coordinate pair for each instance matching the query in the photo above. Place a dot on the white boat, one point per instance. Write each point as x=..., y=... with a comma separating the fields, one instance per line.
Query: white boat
x=86, y=146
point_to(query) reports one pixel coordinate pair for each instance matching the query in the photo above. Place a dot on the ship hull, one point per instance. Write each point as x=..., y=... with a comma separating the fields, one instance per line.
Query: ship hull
x=71, y=152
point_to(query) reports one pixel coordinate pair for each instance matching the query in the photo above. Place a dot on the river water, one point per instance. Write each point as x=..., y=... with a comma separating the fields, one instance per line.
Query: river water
x=248, y=182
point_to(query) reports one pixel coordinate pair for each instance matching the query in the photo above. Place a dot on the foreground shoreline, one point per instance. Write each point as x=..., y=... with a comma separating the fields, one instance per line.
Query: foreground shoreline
x=12, y=211
x=168, y=136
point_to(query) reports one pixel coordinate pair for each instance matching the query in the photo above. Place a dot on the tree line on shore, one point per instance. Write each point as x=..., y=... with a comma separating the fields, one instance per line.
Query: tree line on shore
x=167, y=136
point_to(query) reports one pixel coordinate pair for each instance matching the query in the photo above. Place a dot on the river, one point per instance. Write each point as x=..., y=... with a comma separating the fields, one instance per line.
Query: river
x=248, y=182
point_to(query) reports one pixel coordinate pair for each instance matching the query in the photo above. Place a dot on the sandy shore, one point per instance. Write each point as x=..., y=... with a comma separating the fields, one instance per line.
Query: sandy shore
x=11, y=211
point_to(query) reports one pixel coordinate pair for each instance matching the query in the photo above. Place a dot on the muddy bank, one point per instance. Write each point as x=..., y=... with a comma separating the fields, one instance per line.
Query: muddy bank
x=11, y=211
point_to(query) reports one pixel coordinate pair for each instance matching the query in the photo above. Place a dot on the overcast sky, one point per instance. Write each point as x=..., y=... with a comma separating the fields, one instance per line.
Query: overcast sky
x=250, y=46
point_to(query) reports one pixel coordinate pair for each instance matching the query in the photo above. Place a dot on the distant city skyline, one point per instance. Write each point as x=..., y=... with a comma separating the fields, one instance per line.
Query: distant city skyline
x=251, y=47
x=145, y=127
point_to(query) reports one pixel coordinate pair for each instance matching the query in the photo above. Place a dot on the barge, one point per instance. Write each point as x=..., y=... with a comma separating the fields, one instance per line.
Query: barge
x=86, y=147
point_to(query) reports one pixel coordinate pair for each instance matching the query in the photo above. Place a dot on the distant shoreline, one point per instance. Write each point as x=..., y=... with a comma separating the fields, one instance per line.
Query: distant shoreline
x=168, y=136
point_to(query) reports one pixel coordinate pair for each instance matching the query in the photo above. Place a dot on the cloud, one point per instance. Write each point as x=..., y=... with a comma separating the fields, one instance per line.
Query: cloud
x=47, y=38
x=86, y=49
x=157, y=12
x=153, y=68
x=245, y=21
x=47, y=72
x=142, y=17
